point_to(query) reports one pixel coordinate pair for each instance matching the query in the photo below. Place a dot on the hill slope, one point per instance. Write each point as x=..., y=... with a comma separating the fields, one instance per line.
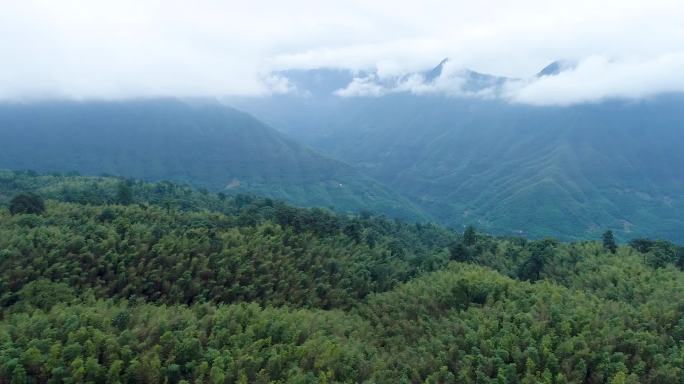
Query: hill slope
x=568, y=172
x=510, y=168
x=202, y=143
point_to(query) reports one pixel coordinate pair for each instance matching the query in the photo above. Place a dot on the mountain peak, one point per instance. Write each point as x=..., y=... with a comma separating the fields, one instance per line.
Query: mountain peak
x=435, y=72
x=555, y=67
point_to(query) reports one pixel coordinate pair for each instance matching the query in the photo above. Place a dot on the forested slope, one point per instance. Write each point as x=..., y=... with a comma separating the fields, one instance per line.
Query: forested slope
x=515, y=169
x=199, y=142
x=120, y=281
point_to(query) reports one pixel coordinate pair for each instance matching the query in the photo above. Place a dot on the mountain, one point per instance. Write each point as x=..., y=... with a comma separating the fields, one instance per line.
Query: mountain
x=203, y=143
x=319, y=82
x=471, y=81
x=314, y=109
x=556, y=67
x=435, y=72
x=568, y=172
x=509, y=168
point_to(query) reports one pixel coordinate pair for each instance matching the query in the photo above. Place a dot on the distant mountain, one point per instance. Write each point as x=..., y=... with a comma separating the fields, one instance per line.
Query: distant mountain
x=202, y=143
x=555, y=68
x=321, y=82
x=510, y=168
x=478, y=82
x=313, y=110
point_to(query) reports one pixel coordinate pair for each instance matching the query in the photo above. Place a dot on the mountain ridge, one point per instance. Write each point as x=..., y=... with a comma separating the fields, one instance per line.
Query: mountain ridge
x=502, y=165
x=206, y=144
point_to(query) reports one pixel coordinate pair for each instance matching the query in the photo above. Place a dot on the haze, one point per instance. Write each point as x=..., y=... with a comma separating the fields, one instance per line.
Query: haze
x=129, y=49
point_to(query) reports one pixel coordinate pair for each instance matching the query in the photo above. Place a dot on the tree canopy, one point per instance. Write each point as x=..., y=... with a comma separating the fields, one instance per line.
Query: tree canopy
x=181, y=286
x=26, y=202
x=609, y=241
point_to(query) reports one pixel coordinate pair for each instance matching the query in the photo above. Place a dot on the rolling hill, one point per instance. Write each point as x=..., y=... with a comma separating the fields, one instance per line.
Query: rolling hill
x=202, y=143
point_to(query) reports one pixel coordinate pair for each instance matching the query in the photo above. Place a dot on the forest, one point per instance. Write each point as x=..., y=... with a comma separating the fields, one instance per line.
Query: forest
x=113, y=280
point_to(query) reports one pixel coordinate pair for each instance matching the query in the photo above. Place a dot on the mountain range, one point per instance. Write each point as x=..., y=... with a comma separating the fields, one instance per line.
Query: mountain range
x=439, y=145
x=467, y=156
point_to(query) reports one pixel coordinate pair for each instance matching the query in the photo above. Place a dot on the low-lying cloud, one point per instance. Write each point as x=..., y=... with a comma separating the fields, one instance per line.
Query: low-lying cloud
x=594, y=79
x=450, y=82
x=599, y=78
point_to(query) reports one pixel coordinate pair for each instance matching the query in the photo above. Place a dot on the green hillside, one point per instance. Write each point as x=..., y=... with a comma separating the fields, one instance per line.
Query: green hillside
x=512, y=169
x=109, y=280
x=202, y=143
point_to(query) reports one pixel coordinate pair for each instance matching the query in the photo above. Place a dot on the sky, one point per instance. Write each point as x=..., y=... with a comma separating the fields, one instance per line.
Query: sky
x=83, y=49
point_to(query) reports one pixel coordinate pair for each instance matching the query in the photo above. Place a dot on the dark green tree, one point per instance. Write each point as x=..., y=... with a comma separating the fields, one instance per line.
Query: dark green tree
x=641, y=245
x=680, y=258
x=459, y=252
x=124, y=193
x=469, y=236
x=661, y=253
x=107, y=216
x=609, y=241
x=541, y=252
x=27, y=203
x=353, y=230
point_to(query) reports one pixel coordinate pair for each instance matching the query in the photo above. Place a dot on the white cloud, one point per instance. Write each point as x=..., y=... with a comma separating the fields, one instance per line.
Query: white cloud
x=363, y=87
x=126, y=48
x=452, y=81
x=277, y=84
x=593, y=79
x=598, y=78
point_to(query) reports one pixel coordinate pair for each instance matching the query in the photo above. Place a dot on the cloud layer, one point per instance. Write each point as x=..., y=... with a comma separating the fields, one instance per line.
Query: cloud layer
x=594, y=79
x=127, y=48
x=599, y=78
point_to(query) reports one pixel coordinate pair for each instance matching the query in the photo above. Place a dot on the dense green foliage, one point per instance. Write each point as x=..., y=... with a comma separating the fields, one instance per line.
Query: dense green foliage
x=26, y=203
x=123, y=281
x=609, y=241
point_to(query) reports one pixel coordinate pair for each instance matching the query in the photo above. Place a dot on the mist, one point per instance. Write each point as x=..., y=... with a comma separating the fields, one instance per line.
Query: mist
x=126, y=49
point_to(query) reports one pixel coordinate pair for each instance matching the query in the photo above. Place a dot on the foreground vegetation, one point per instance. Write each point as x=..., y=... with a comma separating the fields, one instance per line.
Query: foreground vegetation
x=112, y=280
